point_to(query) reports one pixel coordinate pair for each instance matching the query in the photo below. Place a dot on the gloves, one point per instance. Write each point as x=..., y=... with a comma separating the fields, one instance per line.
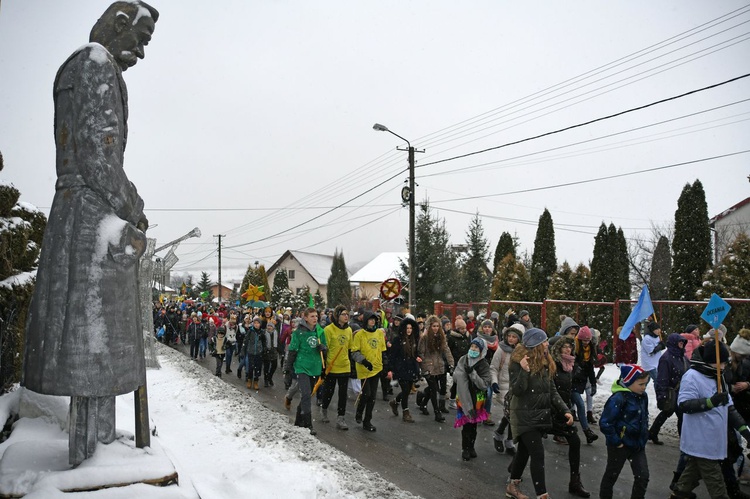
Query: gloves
x=593, y=390
x=287, y=378
x=495, y=388
x=322, y=348
x=745, y=432
x=367, y=364
x=718, y=399
x=659, y=347
x=472, y=413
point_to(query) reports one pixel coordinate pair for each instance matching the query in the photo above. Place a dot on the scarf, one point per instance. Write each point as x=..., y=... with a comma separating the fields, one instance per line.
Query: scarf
x=567, y=362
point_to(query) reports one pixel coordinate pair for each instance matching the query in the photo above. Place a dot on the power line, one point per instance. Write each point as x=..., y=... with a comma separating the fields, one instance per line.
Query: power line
x=591, y=180
x=586, y=123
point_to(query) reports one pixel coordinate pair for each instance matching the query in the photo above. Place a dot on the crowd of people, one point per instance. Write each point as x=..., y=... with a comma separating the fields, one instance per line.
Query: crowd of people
x=538, y=384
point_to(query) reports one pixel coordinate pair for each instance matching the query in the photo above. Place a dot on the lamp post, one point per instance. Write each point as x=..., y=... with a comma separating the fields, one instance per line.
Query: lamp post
x=412, y=283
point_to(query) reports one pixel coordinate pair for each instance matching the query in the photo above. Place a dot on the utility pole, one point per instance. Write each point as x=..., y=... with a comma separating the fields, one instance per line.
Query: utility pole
x=407, y=194
x=220, y=236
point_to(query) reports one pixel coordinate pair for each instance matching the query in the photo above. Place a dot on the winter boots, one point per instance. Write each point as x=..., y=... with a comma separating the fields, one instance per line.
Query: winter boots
x=467, y=446
x=341, y=423
x=488, y=421
x=498, y=443
x=590, y=435
x=654, y=436
x=324, y=415
x=441, y=406
x=304, y=421
x=513, y=490
x=394, y=406
x=256, y=385
x=590, y=417
x=249, y=384
x=575, y=486
x=439, y=418
x=422, y=404
x=510, y=447
x=406, y=418
x=287, y=403
x=452, y=404
x=367, y=426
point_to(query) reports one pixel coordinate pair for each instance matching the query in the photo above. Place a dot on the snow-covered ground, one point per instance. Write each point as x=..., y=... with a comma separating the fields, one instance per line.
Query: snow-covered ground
x=223, y=443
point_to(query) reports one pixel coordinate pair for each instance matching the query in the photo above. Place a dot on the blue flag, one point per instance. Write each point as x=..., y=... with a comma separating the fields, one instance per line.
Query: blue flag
x=642, y=309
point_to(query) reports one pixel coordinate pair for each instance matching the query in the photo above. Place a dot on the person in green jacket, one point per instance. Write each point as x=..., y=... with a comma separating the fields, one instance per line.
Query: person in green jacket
x=306, y=352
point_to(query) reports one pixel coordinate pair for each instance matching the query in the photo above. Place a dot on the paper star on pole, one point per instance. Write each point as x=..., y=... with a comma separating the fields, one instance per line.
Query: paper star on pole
x=253, y=293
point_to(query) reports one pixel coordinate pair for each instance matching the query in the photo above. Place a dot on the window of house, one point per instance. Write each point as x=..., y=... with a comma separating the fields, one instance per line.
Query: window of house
x=291, y=275
x=298, y=290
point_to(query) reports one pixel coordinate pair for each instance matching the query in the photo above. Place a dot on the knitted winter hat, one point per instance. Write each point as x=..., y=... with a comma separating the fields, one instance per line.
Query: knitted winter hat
x=709, y=352
x=221, y=330
x=522, y=313
x=445, y=321
x=629, y=373
x=584, y=333
x=256, y=319
x=470, y=314
x=518, y=329
x=459, y=324
x=534, y=337
x=494, y=316
x=480, y=343
x=487, y=322
x=741, y=345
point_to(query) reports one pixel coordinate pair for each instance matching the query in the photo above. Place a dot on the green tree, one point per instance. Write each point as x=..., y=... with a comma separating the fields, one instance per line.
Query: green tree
x=543, y=260
x=435, y=266
x=320, y=303
x=21, y=233
x=691, y=252
x=475, y=282
x=561, y=287
x=661, y=265
x=263, y=281
x=581, y=282
x=730, y=278
x=253, y=277
x=600, y=265
x=505, y=245
x=280, y=294
x=511, y=280
x=204, y=286
x=339, y=288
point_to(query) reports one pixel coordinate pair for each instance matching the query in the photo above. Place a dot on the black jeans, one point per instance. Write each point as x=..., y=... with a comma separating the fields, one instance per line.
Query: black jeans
x=530, y=445
x=194, y=348
x=616, y=458
x=329, y=385
x=367, y=398
x=435, y=385
x=219, y=362
x=403, y=397
x=269, y=367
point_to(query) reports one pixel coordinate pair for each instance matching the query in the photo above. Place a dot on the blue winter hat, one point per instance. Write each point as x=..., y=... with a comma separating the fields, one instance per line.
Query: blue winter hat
x=629, y=373
x=534, y=337
x=480, y=343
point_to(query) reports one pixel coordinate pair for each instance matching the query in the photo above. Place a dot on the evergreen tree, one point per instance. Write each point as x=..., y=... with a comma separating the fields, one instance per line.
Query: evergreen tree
x=661, y=265
x=253, y=277
x=21, y=233
x=581, y=283
x=435, y=266
x=561, y=287
x=280, y=294
x=320, y=303
x=263, y=281
x=204, y=285
x=543, y=260
x=730, y=278
x=691, y=252
x=511, y=280
x=505, y=245
x=475, y=281
x=600, y=265
x=339, y=288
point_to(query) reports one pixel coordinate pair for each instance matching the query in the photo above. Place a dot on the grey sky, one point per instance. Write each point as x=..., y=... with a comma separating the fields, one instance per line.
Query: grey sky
x=250, y=104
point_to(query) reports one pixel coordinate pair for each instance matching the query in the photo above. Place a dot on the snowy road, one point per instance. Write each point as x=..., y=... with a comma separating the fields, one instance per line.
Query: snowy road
x=424, y=458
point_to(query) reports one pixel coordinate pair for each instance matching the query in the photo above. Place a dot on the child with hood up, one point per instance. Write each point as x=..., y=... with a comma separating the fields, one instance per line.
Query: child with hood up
x=501, y=384
x=472, y=377
x=672, y=366
x=489, y=334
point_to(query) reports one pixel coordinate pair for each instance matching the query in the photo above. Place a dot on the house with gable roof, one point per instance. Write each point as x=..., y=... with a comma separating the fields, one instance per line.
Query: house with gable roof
x=728, y=224
x=368, y=279
x=303, y=269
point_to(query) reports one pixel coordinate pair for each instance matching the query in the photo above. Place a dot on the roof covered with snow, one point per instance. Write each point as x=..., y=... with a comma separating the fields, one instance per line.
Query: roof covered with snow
x=728, y=211
x=317, y=265
x=382, y=267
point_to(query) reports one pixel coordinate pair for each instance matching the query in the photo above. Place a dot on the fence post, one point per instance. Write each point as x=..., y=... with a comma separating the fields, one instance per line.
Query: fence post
x=438, y=308
x=544, y=315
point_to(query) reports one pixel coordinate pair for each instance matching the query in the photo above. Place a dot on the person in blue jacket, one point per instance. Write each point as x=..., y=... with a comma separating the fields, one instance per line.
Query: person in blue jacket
x=624, y=423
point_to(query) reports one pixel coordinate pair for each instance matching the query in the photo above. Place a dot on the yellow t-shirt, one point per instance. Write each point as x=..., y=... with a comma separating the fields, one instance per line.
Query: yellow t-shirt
x=339, y=342
x=372, y=346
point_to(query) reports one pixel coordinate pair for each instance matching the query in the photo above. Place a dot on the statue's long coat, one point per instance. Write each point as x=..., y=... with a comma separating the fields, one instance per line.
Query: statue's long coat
x=83, y=332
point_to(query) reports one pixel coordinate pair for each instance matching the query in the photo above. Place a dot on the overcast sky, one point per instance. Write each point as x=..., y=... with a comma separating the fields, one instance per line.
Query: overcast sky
x=253, y=106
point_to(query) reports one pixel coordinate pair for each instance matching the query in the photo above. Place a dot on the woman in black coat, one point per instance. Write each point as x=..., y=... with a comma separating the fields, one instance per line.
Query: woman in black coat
x=404, y=361
x=562, y=353
x=532, y=372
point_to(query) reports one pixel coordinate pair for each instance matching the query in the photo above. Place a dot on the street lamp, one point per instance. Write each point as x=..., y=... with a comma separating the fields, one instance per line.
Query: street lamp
x=412, y=283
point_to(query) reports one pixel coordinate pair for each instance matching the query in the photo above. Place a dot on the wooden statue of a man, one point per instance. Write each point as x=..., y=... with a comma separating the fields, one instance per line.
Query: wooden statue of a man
x=84, y=337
